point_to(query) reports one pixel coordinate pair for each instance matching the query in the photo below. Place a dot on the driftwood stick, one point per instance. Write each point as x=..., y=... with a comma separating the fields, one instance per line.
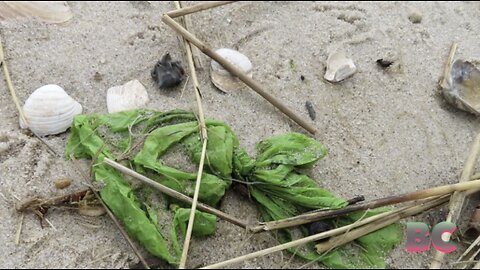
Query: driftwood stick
x=111, y=215
x=197, y=8
x=319, y=215
x=175, y=194
x=376, y=225
x=458, y=198
x=330, y=233
x=236, y=72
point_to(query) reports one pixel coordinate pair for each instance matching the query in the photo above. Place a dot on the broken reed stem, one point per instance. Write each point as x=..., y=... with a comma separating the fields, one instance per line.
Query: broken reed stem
x=187, y=23
x=315, y=216
x=13, y=94
x=350, y=236
x=10, y=84
x=203, y=132
x=383, y=216
x=458, y=198
x=174, y=194
x=448, y=66
x=188, y=235
x=19, y=229
x=197, y=8
x=111, y=215
x=236, y=72
x=474, y=244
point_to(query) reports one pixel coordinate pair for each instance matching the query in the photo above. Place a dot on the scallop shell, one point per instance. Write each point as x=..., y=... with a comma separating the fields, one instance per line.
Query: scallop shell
x=49, y=110
x=339, y=67
x=221, y=78
x=46, y=11
x=131, y=95
x=463, y=87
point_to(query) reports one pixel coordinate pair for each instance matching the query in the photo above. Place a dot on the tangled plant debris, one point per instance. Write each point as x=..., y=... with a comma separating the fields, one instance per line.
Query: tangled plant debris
x=142, y=137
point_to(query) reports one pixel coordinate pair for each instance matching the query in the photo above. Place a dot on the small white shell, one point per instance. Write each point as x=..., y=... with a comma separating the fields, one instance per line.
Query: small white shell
x=49, y=110
x=221, y=78
x=339, y=67
x=131, y=95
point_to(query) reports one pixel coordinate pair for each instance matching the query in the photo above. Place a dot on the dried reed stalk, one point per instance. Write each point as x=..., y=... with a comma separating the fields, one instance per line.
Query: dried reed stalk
x=174, y=194
x=197, y=8
x=238, y=73
x=458, y=198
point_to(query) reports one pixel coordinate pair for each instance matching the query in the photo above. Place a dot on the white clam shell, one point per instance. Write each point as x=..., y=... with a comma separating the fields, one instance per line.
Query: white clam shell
x=339, y=67
x=221, y=78
x=50, y=110
x=131, y=95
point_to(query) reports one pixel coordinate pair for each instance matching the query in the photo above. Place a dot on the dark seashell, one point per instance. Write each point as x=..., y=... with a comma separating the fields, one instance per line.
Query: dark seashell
x=318, y=227
x=463, y=87
x=167, y=73
x=384, y=63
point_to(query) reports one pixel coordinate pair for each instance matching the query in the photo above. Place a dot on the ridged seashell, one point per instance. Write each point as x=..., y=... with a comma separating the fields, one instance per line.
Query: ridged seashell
x=463, y=87
x=131, y=95
x=49, y=110
x=221, y=78
x=339, y=67
x=46, y=11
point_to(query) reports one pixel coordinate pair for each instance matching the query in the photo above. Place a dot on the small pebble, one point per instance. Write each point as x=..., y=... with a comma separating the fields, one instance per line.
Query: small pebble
x=415, y=17
x=63, y=183
x=311, y=110
x=97, y=77
x=384, y=63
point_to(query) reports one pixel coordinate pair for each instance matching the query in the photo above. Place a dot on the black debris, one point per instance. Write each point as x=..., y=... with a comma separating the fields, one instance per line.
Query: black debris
x=167, y=73
x=311, y=110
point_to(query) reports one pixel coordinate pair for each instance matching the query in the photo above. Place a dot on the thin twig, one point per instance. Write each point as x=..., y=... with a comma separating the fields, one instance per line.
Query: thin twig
x=458, y=198
x=448, y=66
x=348, y=237
x=13, y=94
x=238, y=73
x=472, y=186
x=19, y=229
x=10, y=84
x=50, y=224
x=203, y=133
x=474, y=244
x=196, y=54
x=197, y=8
x=413, y=210
x=111, y=215
x=174, y=194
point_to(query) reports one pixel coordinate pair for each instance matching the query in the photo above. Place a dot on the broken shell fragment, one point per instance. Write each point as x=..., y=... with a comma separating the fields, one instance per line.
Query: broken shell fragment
x=49, y=110
x=46, y=11
x=463, y=87
x=131, y=95
x=63, y=183
x=339, y=67
x=91, y=210
x=221, y=78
